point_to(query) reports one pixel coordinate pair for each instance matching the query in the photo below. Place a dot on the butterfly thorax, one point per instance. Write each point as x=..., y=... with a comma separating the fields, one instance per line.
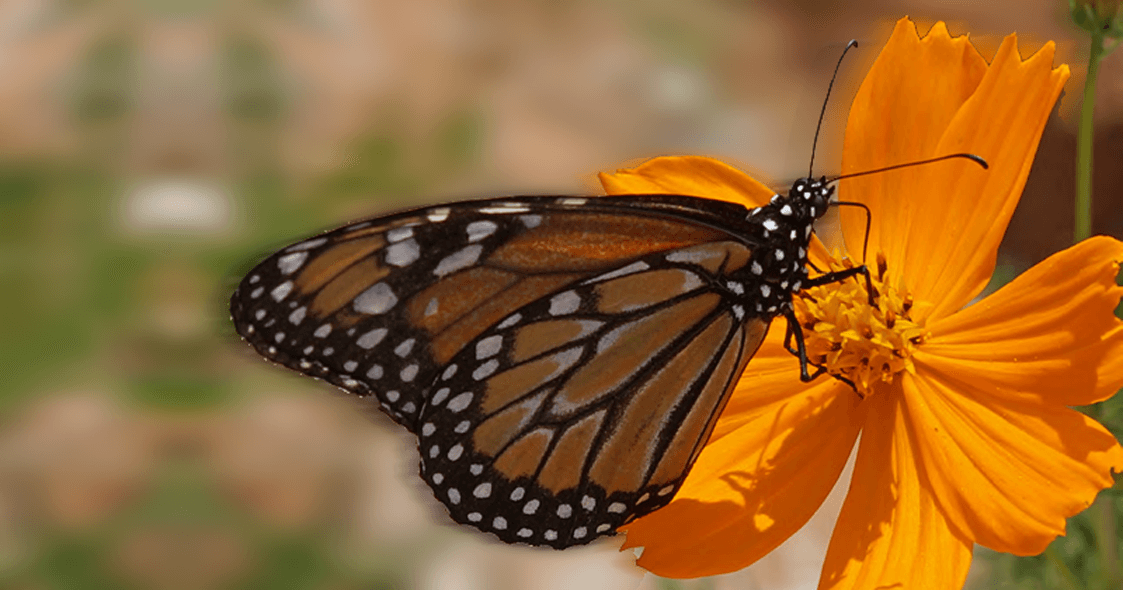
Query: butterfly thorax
x=782, y=229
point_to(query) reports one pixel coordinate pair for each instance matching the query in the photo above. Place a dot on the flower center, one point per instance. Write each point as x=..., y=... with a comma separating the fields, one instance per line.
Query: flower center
x=852, y=340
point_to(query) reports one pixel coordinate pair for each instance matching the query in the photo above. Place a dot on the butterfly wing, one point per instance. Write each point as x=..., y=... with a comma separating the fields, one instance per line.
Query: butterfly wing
x=561, y=360
x=378, y=307
x=585, y=409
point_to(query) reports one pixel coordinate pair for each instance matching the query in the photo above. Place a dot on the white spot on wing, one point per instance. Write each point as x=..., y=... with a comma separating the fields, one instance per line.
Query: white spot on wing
x=289, y=263
x=486, y=369
x=396, y=235
x=502, y=208
x=564, y=303
x=462, y=258
x=478, y=230
x=281, y=291
x=439, y=215
x=507, y=323
x=489, y=346
x=638, y=266
x=377, y=299
x=460, y=402
x=298, y=316
x=370, y=339
x=403, y=349
x=403, y=253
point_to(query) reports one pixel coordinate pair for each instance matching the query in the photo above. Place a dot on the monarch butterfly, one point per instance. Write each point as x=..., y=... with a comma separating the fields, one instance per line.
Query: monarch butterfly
x=561, y=360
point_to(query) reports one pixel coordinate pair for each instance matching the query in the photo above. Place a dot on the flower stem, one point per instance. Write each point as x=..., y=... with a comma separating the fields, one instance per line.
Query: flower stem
x=1085, y=142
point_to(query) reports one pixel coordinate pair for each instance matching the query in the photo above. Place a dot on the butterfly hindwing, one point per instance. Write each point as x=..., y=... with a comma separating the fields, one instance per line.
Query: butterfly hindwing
x=580, y=411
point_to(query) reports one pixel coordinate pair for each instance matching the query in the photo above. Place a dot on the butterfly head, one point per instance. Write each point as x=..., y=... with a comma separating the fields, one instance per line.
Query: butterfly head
x=810, y=197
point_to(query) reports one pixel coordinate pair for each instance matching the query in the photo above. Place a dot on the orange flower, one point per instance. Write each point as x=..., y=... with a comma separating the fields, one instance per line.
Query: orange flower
x=966, y=433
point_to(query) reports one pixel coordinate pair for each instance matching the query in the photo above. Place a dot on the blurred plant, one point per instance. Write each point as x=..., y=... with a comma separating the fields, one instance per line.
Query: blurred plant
x=1103, y=21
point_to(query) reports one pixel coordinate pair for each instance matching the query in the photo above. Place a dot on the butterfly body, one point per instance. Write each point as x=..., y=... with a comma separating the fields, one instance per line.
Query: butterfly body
x=561, y=360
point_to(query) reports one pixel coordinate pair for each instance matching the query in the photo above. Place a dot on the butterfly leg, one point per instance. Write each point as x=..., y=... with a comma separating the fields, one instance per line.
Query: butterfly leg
x=842, y=275
x=800, y=350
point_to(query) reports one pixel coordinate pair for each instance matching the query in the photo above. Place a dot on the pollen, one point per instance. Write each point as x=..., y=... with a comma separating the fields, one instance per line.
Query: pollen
x=862, y=344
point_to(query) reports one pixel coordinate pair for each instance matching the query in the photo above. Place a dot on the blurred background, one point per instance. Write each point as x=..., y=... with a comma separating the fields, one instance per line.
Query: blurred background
x=152, y=151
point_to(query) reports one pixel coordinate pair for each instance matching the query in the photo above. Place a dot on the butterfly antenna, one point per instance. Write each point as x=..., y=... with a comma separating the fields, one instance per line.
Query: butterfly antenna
x=866, y=240
x=823, y=112
x=972, y=157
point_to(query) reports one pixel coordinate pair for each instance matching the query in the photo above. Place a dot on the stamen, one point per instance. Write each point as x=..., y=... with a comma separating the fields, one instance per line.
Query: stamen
x=857, y=343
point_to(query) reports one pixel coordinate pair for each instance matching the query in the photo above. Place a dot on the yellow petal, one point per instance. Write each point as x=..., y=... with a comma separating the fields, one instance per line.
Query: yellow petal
x=1051, y=334
x=891, y=533
x=693, y=176
x=1007, y=473
x=901, y=111
x=753, y=488
x=952, y=253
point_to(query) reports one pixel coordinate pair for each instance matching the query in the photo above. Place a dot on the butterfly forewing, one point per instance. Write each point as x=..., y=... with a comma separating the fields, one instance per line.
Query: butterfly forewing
x=378, y=307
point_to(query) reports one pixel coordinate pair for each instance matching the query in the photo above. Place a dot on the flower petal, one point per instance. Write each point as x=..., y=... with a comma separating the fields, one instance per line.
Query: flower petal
x=904, y=105
x=1007, y=473
x=694, y=176
x=753, y=488
x=1051, y=334
x=952, y=253
x=891, y=533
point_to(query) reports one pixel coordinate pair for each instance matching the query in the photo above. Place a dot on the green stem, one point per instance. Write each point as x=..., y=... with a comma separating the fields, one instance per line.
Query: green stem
x=1084, y=142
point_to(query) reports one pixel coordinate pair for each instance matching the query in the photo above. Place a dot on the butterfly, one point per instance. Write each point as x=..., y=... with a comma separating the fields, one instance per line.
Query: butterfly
x=561, y=360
